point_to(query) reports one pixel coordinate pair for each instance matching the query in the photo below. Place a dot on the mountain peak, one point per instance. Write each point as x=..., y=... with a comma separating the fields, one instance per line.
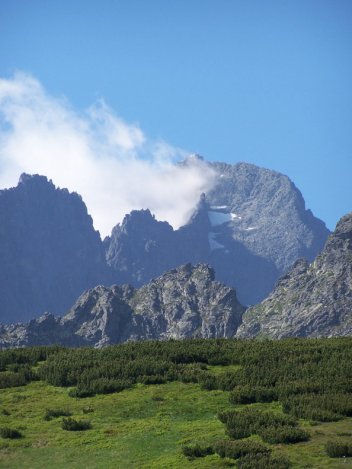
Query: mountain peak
x=33, y=178
x=344, y=227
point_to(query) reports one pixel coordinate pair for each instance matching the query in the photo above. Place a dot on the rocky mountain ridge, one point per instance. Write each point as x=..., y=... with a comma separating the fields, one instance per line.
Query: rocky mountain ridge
x=250, y=228
x=311, y=300
x=183, y=303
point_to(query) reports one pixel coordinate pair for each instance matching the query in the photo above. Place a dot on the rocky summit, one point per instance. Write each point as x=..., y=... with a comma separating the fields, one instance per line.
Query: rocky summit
x=185, y=302
x=268, y=214
x=312, y=300
x=251, y=228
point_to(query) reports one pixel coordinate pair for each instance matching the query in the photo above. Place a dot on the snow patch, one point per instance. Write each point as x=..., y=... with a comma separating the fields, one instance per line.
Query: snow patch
x=219, y=207
x=234, y=216
x=218, y=218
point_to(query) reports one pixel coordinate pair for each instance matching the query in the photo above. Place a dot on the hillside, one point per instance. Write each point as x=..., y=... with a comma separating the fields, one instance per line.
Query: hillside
x=312, y=300
x=180, y=404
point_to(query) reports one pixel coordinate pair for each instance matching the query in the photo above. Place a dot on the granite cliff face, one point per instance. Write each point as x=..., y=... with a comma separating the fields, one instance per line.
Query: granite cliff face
x=268, y=214
x=49, y=250
x=185, y=302
x=312, y=300
x=251, y=228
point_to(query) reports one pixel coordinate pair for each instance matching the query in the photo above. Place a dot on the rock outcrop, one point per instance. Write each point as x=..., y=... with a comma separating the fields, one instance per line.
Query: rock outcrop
x=312, y=300
x=185, y=302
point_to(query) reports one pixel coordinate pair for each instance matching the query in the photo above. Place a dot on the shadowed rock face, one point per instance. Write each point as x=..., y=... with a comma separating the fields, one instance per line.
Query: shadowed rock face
x=311, y=300
x=251, y=228
x=185, y=302
x=49, y=250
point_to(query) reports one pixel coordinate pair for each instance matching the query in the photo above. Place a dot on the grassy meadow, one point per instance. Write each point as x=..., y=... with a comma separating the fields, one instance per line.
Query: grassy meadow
x=143, y=426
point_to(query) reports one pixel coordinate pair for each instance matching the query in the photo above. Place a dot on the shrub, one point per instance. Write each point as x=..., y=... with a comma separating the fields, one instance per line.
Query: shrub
x=208, y=382
x=226, y=381
x=73, y=425
x=53, y=413
x=327, y=407
x=263, y=461
x=284, y=434
x=272, y=427
x=153, y=379
x=250, y=394
x=9, y=379
x=339, y=449
x=243, y=423
x=197, y=451
x=100, y=386
x=11, y=433
x=236, y=449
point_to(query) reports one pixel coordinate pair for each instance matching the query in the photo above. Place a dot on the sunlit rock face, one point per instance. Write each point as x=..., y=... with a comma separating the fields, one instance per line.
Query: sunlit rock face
x=183, y=303
x=311, y=300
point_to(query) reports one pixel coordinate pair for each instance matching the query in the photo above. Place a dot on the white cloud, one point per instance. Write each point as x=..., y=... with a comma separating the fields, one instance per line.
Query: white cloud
x=112, y=164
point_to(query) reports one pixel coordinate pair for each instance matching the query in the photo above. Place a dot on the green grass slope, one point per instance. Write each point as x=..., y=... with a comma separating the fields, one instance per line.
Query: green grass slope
x=146, y=426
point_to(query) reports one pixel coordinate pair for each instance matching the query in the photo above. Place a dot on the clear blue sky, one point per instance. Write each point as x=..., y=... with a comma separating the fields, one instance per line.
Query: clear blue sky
x=267, y=82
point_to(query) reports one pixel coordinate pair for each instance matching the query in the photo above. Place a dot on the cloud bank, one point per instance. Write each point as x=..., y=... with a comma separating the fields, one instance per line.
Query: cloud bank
x=110, y=163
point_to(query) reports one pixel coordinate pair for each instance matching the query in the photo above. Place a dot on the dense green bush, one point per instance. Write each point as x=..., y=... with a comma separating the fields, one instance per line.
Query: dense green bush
x=10, y=433
x=9, y=379
x=237, y=449
x=226, y=381
x=339, y=449
x=245, y=394
x=322, y=407
x=99, y=386
x=197, y=451
x=285, y=434
x=73, y=425
x=263, y=461
x=272, y=427
x=54, y=413
x=207, y=381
